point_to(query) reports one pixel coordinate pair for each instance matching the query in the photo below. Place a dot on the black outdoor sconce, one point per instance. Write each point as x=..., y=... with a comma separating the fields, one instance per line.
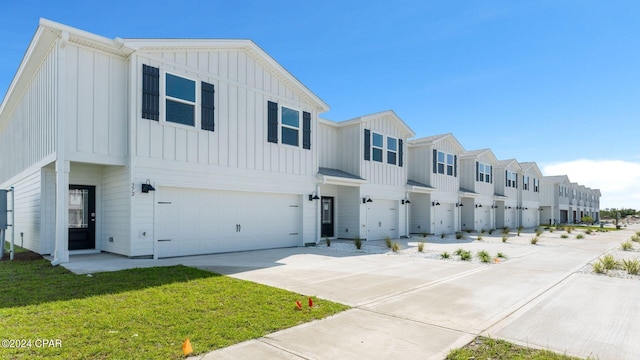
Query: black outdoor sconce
x=366, y=199
x=313, y=196
x=147, y=187
x=406, y=202
x=435, y=203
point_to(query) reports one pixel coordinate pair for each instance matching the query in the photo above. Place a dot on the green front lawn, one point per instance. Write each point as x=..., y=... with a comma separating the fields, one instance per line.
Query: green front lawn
x=140, y=313
x=487, y=348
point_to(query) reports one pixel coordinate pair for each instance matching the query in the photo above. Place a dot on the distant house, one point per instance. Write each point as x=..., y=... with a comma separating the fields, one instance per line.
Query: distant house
x=477, y=183
x=529, y=195
x=507, y=173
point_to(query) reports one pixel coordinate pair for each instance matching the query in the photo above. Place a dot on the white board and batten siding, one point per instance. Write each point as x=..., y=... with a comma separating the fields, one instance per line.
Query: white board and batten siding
x=96, y=104
x=382, y=173
x=328, y=145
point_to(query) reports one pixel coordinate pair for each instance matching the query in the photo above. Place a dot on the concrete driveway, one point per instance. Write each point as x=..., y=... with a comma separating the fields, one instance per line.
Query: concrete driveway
x=416, y=306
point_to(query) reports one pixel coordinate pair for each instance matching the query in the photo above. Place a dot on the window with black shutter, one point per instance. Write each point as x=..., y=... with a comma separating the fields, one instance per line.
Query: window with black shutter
x=435, y=161
x=400, y=153
x=306, y=130
x=150, y=93
x=208, y=118
x=272, y=122
x=367, y=144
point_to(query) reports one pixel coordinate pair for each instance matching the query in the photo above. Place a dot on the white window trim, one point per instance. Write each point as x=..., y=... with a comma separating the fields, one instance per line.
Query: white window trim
x=485, y=173
x=163, y=102
x=383, y=148
x=282, y=124
x=391, y=151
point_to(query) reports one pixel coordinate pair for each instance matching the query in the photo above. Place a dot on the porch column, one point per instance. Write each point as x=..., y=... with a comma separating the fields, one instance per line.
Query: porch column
x=61, y=252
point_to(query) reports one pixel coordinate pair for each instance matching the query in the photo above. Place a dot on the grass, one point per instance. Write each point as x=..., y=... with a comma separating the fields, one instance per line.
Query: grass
x=421, y=246
x=479, y=237
x=534, y=240
x=328, y=241
x=504, y=238
x=631, y=266
x=505, y=230
x=635, y=238
x=580, y=236
x=484, y=256
x=387, y=242
x=539, y=232
x=609, y=262
x=465, y=255
x=564, y=236
x=459, y=235
x=487, y=348
x=395, y=247
x=140, y=313
x=501, y=255
x=627, y=246
x=520, y=228
x=568, y=229
x=445, y=255
x=357, y=242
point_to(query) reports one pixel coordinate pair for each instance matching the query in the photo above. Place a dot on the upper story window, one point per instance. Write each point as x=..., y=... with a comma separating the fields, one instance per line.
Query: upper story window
x=377, y=149
x=525, y=182
x=512, y=179
x=536, y=185
x=290, y=126
x=392, y=150
x=444, y=163
x=483, y=173
x=180, y=100
x=573, y=194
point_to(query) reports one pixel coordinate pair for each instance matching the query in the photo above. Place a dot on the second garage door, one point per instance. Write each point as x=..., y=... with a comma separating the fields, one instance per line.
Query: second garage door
x=382, y=219
x=191, y=222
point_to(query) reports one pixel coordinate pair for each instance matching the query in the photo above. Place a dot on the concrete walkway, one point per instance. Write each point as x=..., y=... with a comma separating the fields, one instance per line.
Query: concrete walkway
x=409, y=306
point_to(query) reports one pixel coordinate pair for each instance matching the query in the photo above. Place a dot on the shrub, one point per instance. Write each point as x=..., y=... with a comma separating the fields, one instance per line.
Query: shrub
x=580, y=236
x=423, y=234
x=635, y=238
x=501, y=255
x=638, y=233
x=479, y=238
x=358, y=242
x=484, y=256
x=504, y=238
x=568, y=229
x=442, y=236
x=534, y=240
x=505, y=230
x=481, y=231
x=627, y=246
x=598, y=268
x=564, y=236
x=395, y=247
x=466, y=255
x=387, y=241
x=551, y=229
x=445, y=255
x=459, y=251
x=609, y=262
x=589, y=231
x=539, y=232
x=631, y=266
x=491, y=231
x=420, y=246
x=328, y=241
x=520, y=228
x=459, y=235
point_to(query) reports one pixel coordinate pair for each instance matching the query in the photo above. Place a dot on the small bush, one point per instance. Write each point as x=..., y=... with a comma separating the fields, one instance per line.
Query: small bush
x=466, y=255
x=445, y=255
x=328, y=241
x=551, y=230
x=484, y=256
x=481, y=231
x=479, y=237
x=420, y=246
x=564, y=236
x=589, y=231
x=505, y=230
x=501, y=255
x=609, y=262
x=539, y=232
x=627, y=246
x=395, y=247
x=520, y=228
x=423, y=234
x=598, y=268
x=459, y=235
x=580, y=236
x=635, y=238
x=504, y=238
x=534, y=240
x=491, y=231
x=459, y=251
x=387, y=241
x=442, y=236
x=568, y=229
x=631, y=266
x=638, y=233
x=358, y=242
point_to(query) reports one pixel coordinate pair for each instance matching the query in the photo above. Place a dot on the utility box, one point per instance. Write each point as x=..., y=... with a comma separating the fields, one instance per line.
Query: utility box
x=3, y=209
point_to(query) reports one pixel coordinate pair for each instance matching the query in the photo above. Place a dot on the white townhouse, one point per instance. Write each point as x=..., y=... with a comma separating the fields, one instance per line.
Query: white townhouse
x=555, y=199
x=507, y=202
x=164, y=147
x=529, y=195
x=434, y=185
x=362, y=177
x=477, y=185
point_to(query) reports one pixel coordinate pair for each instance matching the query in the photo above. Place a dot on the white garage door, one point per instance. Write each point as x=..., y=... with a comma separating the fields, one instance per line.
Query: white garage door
x=530, y=218
x=382, y=219
x=444, y=217
x=511, y=218
x=191, y=222
x=484, y=219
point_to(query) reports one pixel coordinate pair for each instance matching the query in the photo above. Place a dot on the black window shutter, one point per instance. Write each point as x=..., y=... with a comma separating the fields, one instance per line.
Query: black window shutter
x=516, y=181
x=306, y=130
x=477, y=171
x=506, y=178
x=455, y=165
x=435, y=161
x=272, y=122
x=367, y=144
x=208, y=107
x=150, y=92
x=400, y=153
x=491, y=168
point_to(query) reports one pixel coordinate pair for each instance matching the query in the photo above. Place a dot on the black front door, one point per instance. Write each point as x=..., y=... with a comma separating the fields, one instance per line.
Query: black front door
x=82, y=217
x=326, y=217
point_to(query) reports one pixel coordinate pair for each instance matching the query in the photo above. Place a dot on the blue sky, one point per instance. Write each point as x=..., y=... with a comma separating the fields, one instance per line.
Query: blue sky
x=556, y=82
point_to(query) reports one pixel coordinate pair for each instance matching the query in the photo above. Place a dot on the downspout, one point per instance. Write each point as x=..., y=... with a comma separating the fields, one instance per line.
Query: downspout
x=13, y=222
x=406, y=216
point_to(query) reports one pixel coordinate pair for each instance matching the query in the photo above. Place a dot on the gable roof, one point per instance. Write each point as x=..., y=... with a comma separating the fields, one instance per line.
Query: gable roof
x=506, y=163
x=530, y=166
x=478, y=153
x=387, y=114
x=434, y=139
x=557, y=179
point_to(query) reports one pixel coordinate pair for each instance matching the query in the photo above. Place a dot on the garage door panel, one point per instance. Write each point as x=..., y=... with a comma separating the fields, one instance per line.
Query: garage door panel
x=202, y=222
x=382, y=219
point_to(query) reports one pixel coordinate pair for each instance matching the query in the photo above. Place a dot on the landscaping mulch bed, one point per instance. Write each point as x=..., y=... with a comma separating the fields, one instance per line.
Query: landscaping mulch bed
x=21, y=256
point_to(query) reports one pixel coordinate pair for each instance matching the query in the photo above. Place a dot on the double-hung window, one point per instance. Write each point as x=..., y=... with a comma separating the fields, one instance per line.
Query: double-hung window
x=484, y=173
x=512, y=179
x=180, y=100
x=392, y=150
x=536, y=185
x=525, y=182
x=441, y=163
x=377, y=147
x=290, y=126
x=449, y=164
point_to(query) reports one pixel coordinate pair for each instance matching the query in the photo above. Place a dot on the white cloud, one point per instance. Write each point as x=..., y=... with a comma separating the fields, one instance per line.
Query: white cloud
x=619, y=181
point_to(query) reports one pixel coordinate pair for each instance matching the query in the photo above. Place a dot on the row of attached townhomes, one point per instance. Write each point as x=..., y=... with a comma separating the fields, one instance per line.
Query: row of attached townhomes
x=164, y=147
